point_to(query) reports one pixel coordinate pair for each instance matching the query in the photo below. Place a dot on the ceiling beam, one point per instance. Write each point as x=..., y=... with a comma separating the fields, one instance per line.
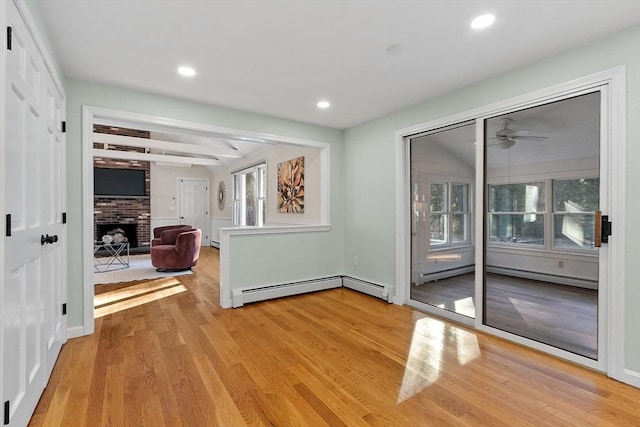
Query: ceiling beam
x=148, y=157
x=156, y=144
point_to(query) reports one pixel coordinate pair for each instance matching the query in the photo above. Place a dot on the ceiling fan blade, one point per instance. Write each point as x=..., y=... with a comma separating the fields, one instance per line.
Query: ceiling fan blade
x=529, y=138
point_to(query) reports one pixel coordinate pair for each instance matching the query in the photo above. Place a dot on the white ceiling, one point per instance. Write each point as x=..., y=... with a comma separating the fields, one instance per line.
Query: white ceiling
x=571, y=128
x=279, y=57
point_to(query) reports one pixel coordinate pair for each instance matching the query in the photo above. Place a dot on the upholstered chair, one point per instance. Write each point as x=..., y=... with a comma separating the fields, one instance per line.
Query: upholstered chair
x=178, y=249
x=158, y=230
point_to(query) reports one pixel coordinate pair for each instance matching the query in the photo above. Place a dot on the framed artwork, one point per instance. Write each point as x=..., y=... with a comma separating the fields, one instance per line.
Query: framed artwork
x=291, y=186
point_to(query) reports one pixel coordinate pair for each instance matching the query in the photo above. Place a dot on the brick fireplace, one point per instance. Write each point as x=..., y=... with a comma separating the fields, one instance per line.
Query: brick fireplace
x=132, y=214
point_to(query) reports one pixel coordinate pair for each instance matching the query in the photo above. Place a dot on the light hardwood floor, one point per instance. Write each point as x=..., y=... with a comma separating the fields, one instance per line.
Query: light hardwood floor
x=332, y=358
x=563, y=316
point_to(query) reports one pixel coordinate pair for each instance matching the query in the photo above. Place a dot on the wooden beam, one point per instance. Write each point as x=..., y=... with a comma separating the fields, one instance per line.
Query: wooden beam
x=177, y=147
x=148, y=157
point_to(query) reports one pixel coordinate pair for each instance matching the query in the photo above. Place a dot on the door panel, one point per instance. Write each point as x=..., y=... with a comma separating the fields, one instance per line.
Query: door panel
x=35, y=273
x=194, y=206
x=542, y=189
x=442, y=251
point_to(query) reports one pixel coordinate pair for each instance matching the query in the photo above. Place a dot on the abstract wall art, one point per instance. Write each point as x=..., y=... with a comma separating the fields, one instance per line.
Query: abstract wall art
x=291, y=186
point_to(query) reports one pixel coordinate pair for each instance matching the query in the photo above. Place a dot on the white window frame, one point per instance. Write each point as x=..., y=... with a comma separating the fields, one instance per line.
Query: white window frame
x=447, y=243
x=239, y=195
x=549, y=215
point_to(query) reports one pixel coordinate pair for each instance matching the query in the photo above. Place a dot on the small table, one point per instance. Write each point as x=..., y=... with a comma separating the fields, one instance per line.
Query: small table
x=116, y=257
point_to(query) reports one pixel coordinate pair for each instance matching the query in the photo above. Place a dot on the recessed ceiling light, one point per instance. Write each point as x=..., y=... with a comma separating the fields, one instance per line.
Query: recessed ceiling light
x=187, y=71
x=482, y=21
x=323, y=104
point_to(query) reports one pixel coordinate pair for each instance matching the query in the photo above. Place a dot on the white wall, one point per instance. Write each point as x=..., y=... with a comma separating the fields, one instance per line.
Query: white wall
x=164, y=188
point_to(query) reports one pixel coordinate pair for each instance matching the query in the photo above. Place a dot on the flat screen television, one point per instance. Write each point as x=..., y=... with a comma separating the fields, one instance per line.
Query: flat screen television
x=119, y=182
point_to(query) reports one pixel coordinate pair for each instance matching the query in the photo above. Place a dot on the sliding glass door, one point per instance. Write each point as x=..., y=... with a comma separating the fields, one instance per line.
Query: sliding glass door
x=542, y=194
x=442, y=216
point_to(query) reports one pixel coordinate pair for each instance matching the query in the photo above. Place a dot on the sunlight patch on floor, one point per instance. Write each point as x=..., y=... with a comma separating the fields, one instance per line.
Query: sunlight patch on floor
x=136, y=295
x=424, y=362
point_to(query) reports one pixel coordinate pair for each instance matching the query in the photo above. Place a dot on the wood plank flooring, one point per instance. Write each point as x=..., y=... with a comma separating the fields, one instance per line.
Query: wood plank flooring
x=331, y=358
x=562, y=316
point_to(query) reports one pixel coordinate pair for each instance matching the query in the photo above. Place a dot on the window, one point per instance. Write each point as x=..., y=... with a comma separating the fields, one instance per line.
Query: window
x=449, y=213
x=518, y=213
x=250, y=196
x=574, y=204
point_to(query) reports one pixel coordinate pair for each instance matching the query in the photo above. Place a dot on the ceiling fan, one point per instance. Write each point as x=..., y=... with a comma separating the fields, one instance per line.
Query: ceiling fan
x=506, y=137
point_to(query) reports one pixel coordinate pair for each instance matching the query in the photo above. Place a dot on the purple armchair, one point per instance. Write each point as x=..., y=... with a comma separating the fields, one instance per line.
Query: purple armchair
x=177, y=249
x=158, y=231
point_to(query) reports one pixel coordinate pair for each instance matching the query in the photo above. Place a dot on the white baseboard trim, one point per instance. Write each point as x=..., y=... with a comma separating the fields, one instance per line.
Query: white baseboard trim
x=631, y=377
x=428, y=277
x=75, y=332
x=569, y=281
x=261, y=293
x=385, y=292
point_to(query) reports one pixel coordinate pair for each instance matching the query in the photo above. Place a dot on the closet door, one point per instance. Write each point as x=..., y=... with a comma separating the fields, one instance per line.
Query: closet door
x=34, y=255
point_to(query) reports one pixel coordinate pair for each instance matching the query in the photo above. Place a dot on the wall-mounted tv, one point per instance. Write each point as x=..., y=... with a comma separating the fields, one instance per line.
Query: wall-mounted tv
x=119, y=182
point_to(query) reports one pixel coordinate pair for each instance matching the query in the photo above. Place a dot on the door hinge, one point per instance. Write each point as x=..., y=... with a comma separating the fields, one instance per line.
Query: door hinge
x=8, y=230
x=606, y=229
x=6, y=413
x=9, y=36
x=64, y=217
x=63, y=126
x=64, y=309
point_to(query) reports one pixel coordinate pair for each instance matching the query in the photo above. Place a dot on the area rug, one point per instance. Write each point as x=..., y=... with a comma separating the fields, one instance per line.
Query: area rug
x=140, y=268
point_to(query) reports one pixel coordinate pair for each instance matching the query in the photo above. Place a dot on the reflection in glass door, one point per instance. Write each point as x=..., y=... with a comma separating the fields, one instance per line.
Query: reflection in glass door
x=442, y=185
x=542, y=193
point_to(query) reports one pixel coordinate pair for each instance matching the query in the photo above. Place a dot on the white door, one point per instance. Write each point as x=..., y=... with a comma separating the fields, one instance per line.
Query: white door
x=194, y=205
x=34, y=269
x=54, y=278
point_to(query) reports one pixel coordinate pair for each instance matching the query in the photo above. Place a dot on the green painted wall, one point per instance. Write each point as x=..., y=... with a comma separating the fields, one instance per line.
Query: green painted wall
x=81, y=93
x=369, y=161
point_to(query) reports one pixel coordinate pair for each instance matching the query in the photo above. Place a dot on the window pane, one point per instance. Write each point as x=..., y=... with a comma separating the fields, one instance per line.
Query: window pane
x=573, y=231
x=458, y=198
x=517, y=228
x=250, y=199
x=525, y=197
x=459, y=228
x=438, y=229
x=438, y=198
x=576, y=195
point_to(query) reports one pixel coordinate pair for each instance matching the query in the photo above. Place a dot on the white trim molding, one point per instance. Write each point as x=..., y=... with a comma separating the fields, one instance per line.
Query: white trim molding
x=611, y=339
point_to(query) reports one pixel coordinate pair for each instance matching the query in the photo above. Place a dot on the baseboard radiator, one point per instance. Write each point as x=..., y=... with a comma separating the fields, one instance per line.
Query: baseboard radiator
x=261, y=293
x=543, y=277
x=385, y=292
x=445, y=274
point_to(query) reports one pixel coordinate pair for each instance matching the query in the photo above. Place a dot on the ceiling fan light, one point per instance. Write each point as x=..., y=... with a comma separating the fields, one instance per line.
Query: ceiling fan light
x=505, y=144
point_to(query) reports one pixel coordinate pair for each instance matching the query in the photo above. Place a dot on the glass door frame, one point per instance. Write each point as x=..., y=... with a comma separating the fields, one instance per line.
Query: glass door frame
x=611, y=321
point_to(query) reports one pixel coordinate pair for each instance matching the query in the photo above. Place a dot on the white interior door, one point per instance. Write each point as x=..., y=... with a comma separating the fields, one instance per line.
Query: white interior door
x=54, y=280
x=194, y=205
x=34, y=268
